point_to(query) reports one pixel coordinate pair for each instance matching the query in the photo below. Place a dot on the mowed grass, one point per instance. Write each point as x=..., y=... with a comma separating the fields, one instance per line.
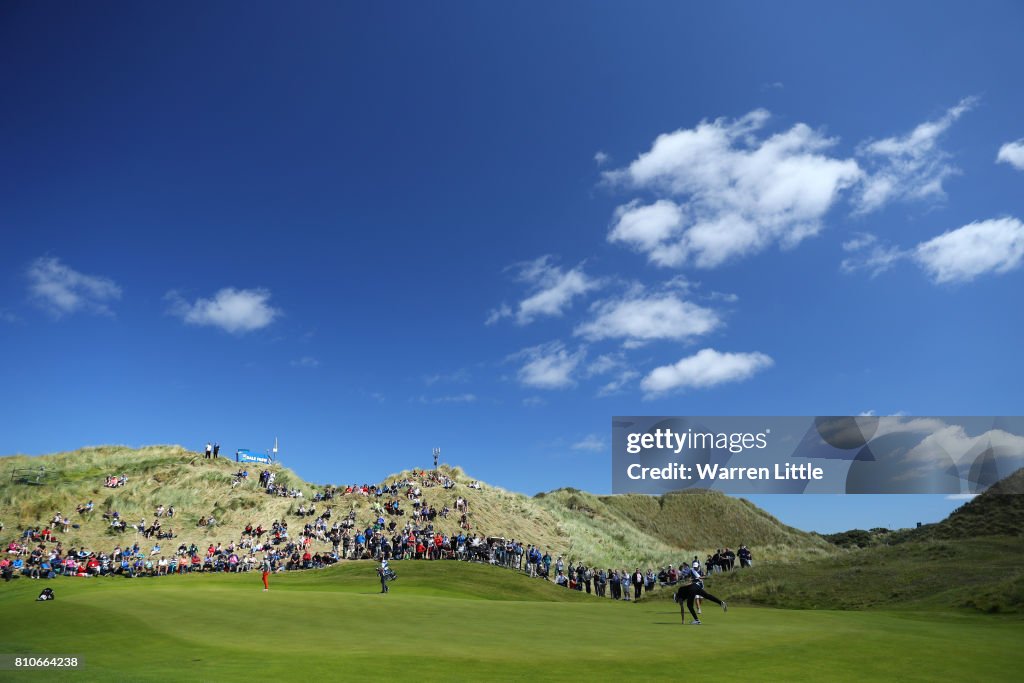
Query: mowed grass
x=452, y=621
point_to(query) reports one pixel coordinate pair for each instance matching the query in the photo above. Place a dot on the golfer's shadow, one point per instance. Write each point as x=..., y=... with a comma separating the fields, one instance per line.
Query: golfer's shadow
x=668, y=623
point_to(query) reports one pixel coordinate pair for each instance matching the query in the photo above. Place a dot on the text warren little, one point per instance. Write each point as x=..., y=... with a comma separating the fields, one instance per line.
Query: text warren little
x=707, y=472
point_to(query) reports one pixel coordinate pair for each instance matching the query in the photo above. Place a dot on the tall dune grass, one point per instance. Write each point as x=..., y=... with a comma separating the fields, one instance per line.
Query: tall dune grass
x=611, y=531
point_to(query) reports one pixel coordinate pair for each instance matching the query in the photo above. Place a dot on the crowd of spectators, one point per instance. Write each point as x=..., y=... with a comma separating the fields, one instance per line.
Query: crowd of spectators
x=393, y=532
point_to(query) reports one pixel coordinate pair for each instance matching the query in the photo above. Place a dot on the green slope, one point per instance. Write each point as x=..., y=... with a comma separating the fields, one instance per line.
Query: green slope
x=970, y=560
x=999, y=511
x=681, y=524
x=973, y=574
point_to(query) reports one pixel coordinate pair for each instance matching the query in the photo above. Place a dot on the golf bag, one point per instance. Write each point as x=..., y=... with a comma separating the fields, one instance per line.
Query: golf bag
x=390, y=575
x=46, y=594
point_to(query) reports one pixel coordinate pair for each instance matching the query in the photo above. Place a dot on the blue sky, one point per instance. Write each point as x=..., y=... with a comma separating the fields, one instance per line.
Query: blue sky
x=373, y=230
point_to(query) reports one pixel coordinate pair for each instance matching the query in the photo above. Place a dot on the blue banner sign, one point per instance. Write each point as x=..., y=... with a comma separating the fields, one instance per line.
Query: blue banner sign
x=243, y=455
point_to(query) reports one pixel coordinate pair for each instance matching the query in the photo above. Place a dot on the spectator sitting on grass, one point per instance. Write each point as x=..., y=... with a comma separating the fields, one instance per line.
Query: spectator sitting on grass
x=381, y=537
x=17, y=565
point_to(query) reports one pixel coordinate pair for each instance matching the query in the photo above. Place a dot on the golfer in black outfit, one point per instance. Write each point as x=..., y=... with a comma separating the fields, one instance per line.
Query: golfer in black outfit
x=689, y=591
x=384, y=571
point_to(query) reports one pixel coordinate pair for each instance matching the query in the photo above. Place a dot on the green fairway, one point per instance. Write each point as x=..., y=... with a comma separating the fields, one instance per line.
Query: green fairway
x=445, y=621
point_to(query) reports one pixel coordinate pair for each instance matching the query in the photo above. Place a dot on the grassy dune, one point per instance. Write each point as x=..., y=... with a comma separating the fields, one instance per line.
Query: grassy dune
x=939, y=575
x=158, y=475
x=598, y=530
x=451, y=621
x=997, y=512
x=675, y=525
x=970, y=560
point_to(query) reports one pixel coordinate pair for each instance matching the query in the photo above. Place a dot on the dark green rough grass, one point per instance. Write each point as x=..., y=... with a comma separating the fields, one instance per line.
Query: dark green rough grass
x=998, y=511
x=971, y=560
x=982, y=574
x=436, y=626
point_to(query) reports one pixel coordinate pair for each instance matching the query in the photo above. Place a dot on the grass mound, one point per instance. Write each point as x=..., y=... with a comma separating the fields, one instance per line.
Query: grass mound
x=981, y=574
x=608, y=531
x=999, y=511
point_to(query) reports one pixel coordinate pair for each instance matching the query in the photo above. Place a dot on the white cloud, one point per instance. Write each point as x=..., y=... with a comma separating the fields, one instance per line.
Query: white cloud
x=459, y=376
x=909, y=167
x=706, y=368
x=960, y=255
x=640, y=318
x=1012, y=153
x=647, y=227
x=233, y=310
x=496, y=314
x=8, y=317
x=552, y=291
x=861, y=240
x=611, y=364
x=739, y=194
x=455, y=398
x=962, y=496
x=533, y=401
x=591, y=442
x=942, y=443
x=63, y=290
x=548, y=366
x=868, y=253
x=305, y=362
x=952, y=441
x=618, y=384
x=681, y=284
x=601, y=158
x=605, y=363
